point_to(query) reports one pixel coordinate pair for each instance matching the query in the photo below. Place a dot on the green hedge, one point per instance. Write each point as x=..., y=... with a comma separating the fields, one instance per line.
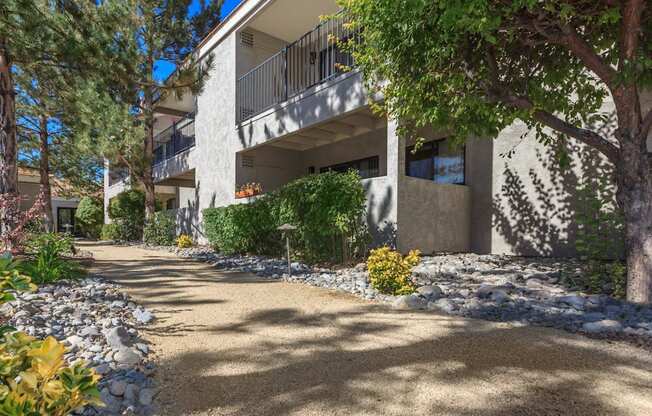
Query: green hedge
x=127, y=211
x=161, y=230
x=327, y=209
x=90, y=216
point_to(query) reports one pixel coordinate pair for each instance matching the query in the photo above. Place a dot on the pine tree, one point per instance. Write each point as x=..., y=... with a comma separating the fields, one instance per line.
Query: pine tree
x=67, y=36
x=166, y=31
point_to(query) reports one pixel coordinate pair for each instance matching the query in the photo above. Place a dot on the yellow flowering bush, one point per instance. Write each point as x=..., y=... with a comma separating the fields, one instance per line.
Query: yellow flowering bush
x=390, y=272
x=33, y=378
x=184, y=241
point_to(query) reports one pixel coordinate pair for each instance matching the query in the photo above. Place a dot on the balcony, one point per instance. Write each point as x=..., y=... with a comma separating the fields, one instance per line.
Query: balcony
x=176, y=139
x=314, y=59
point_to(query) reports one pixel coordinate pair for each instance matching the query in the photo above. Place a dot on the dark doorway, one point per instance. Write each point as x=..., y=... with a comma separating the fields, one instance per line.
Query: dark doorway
x=66, y=220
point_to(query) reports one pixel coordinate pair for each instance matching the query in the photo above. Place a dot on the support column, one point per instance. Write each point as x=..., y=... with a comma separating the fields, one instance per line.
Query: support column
x=395, y=178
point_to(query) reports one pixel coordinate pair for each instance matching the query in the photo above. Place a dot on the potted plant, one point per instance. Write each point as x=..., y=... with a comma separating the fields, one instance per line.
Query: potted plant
x=248, y=190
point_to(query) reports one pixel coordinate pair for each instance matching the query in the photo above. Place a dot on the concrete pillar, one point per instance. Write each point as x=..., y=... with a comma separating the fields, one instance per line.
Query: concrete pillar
x=395, y=175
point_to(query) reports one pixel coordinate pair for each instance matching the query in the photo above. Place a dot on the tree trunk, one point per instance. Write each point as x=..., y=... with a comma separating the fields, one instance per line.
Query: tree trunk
x=44, y=170
x=635, y=198
x=148, y=171
x=8, y=145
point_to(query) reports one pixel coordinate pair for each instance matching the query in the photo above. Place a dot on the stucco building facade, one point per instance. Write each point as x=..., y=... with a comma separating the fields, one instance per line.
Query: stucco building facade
x=278, y=105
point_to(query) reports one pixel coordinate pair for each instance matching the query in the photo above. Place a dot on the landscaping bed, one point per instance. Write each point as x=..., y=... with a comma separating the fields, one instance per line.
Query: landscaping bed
x=98, y=324
x=524, y=291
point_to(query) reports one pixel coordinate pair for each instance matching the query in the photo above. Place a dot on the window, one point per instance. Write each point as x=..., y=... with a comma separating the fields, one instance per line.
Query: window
x=437, y=161
x=367, y=168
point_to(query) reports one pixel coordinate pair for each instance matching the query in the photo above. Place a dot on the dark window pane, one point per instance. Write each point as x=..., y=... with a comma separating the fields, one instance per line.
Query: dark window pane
x=436, y=161
x=367, y=168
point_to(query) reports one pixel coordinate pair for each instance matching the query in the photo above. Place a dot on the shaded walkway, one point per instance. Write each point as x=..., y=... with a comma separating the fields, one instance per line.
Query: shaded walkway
x=234, y=344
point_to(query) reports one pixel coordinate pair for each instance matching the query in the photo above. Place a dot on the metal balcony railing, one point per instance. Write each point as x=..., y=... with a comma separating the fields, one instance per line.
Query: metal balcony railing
x=175, y=139
x=313, y=59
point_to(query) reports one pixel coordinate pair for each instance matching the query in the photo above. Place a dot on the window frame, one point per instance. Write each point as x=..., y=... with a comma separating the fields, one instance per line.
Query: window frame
x=434, y=152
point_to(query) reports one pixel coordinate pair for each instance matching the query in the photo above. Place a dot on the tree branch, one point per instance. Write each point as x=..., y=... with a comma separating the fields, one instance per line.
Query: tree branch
x=631, y=29
x=585, y=136
x=572, y=40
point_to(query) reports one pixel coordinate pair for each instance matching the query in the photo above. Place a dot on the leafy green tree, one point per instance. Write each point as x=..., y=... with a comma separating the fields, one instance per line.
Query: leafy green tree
x=163, y=31
x=475, y=67
x=90, y=215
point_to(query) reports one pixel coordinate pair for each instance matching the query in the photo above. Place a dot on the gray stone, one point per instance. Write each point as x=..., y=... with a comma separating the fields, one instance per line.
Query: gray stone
x=499, y=296
x=593, y=316
x=127, y=356
x=443, y=305
x=89, y=331
x=143, y=316
x=407, y=302
x=117, y=337
x=74, y=340
x=430, y=292
x=118, y=387
x=606, y=325
x=131, y=393
x=112, y=404
x=575, y=301
x=146, y=396
x=142, y=348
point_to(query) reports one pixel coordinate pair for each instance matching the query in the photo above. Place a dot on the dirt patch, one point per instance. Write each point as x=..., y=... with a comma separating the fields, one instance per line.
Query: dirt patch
x=235, y=344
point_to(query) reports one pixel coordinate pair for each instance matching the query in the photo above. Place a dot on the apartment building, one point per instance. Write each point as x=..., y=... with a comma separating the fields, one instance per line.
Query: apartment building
x=279, y=104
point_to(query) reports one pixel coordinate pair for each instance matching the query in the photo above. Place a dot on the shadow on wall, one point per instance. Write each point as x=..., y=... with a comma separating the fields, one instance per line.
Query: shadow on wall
x=536, y=215
x=188, y=218
x=382, y=227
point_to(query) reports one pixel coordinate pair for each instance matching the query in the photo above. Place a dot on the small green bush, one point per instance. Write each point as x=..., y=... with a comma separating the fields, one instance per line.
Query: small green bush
x=90, y=216
x=242, y=228
x=161, y=231
x=127, y=210
x=61, y=243
x=327, y=209
x=48, y=266
x=389, y=271
x=600, y=241
x=110, y=232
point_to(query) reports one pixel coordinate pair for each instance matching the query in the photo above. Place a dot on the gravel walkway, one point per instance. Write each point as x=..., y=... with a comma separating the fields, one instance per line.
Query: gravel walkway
x=236, y=344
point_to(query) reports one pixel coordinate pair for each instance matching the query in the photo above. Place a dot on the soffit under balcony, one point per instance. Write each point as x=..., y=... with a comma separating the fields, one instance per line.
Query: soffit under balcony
x=290, y=19
x=349, y=126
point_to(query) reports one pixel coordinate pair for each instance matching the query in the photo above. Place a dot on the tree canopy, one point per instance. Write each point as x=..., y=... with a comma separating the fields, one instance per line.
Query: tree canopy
x=563, y=67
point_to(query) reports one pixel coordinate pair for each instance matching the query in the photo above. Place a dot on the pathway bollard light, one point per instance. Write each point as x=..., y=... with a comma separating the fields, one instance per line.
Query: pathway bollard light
x=286, y=229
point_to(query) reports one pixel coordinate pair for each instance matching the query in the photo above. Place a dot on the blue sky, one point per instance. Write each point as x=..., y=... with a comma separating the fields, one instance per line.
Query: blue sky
x=163, y=69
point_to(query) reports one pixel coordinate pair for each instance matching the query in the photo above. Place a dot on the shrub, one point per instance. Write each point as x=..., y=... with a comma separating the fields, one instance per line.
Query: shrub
x=327, y=209
x=242, y=228
x=161, y=230
x=600, y=237
x=48, y=266
x=90, y=216
x=184, y=241
x=62, y=244
x=390, y=272
x=127, y=210
x=110, y=232
x=34, y=380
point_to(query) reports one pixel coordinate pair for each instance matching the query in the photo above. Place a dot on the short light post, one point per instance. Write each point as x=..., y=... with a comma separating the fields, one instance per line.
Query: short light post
x=286, y=229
